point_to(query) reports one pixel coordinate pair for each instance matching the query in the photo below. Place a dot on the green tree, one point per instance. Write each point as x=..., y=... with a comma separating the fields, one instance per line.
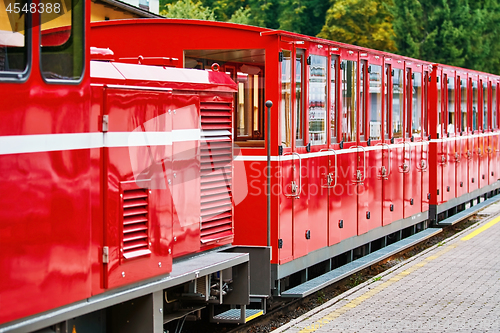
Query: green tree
x=453, y=32
x=241, y=16
x=303, y=16
x=188, y=9
x=360, y=22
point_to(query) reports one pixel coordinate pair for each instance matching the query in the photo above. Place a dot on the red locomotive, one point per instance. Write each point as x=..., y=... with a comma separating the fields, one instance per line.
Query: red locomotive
x=135, y=170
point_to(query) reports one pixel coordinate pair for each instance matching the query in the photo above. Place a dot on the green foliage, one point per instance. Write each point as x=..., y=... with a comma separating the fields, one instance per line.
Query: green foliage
x=241, y=16
x=360, y=22
x=453, y=32
x=188, y=9
x=303, y=16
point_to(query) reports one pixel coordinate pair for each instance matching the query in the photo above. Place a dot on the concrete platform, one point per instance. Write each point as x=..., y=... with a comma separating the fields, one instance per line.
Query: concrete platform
x=451, y=287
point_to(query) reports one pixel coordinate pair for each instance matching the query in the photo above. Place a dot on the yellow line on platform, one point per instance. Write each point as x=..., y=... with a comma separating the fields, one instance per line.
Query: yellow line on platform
x=480, y=230
x=357, y=301
x=372, y=292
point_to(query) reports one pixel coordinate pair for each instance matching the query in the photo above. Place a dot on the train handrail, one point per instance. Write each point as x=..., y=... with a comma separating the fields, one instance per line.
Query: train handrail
x=360, y=179
x=329, y=174
x=300, y=177
x=406, y=168
x=389, y=167
x=423, y=161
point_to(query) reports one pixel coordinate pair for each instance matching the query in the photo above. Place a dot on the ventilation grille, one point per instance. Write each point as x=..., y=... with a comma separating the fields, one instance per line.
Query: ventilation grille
x=216, y=171
x=135, y=223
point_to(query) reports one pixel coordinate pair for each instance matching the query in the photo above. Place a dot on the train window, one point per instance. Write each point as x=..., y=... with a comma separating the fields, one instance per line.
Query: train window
x=299, y=115
x=248, y=117
x=463, y=105
x=286, y=99
x=62, y=41
x=375, y=102
x=15, y=37
x=451, y=106
x=408, y=102
x=317, y=100
x=416, y=120
x=474, y=106
x=439, y=106
x=349, y=93
x=425, y=97
x=333, y=98
x=362, y=99
x=485, y=106
x=387, y=120
x=397, y=103
x=494, y=123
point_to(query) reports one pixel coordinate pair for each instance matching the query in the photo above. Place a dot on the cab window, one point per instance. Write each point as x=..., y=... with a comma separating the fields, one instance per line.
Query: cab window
x=62, y=35
x=15, y=39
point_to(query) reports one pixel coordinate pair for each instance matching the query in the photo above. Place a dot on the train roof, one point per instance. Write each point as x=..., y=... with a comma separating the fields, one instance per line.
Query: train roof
x=109, y=72
x=230, y=34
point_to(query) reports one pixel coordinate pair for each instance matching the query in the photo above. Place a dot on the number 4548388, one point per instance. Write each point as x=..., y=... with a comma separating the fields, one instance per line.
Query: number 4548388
x=34, y=8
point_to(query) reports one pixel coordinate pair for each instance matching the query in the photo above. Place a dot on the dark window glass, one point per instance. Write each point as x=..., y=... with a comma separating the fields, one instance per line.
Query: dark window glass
x=63, y=42
x=15, y=38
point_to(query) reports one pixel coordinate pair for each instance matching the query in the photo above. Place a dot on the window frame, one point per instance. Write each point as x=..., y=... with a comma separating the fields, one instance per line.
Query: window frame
x=79, y=11
x=21, y=77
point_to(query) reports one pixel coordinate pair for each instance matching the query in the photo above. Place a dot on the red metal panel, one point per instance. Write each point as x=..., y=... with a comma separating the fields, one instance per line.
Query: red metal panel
x=393, y=184
x=185, y=177
x=482, y=151
x=301, y=208
x=370, y=191
x=343, y=198
x=493, y=158
x=286, y=207
x=448, y=169
x=472, y=167
x=318, y=202
x=133, y=113
x=425, y=170
x=412, y=180
x=462, y=182
x=45, y=199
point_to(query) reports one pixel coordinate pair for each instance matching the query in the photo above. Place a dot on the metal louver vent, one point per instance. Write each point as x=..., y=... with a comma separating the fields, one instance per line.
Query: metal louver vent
x=216, y=171
x=135, y=223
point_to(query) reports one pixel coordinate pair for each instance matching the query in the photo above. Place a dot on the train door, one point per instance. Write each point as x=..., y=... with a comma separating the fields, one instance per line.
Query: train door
x=318, y=165
x=448, y=134
x=300, y=203
x=350, y=173
x=424, y=157
x=483, y=137
x=493, y=143
x=336, y=217
x=394, y=131
x=473, y=136
x=413, y=143
x=289, y=161
x=461, y=160
x=371, y=146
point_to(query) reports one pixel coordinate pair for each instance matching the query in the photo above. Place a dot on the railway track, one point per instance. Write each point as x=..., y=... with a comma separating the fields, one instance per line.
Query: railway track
x=290, y=310
x=283, y=310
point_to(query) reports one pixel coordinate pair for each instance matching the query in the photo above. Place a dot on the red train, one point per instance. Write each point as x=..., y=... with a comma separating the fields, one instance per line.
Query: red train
x=135, y=170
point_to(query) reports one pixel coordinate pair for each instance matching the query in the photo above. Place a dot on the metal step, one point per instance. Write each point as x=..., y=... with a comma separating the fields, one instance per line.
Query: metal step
x=236, y=315
x=311, y=286
x=468, y=212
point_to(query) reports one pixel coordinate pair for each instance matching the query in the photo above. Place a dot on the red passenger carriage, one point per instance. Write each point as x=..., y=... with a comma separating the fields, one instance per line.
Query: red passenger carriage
x=145, y=174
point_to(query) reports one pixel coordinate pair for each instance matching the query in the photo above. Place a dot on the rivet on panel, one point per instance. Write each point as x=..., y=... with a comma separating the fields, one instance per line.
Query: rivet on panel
x=159, y=264
x=123, y=274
